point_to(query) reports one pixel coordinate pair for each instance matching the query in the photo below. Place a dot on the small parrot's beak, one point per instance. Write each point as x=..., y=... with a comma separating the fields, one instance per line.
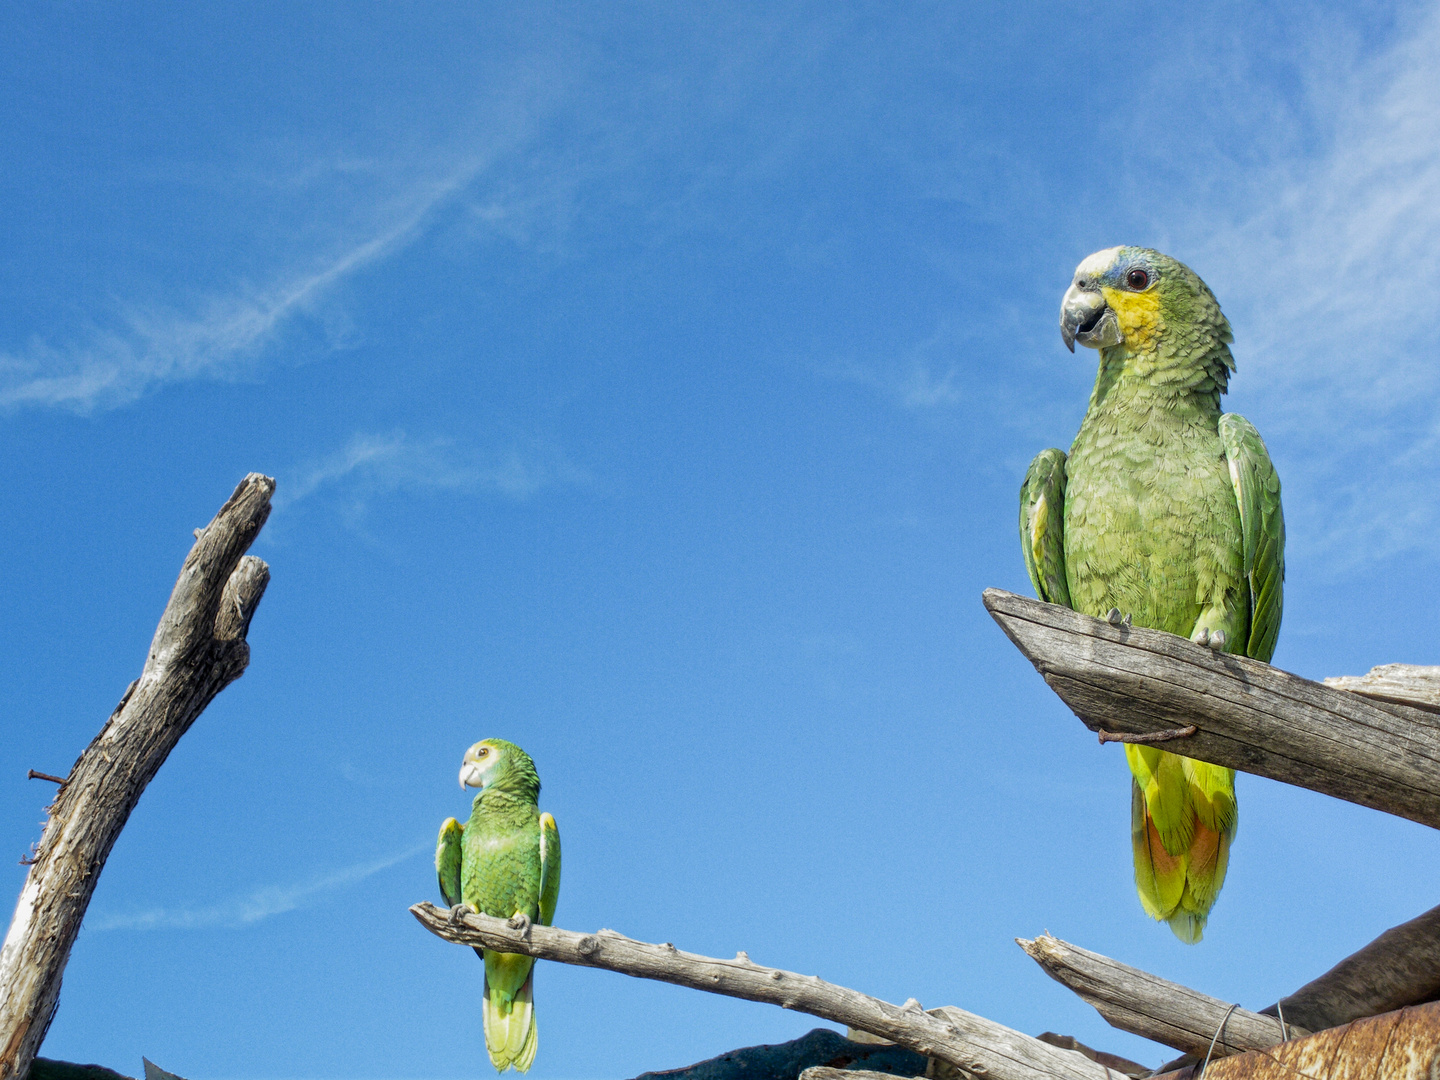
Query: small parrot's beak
x=469, y=775
x=1086, y=318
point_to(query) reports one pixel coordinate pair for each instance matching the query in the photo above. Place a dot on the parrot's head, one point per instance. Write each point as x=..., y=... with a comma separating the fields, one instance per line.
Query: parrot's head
x=1139, y=298
x=497, y=763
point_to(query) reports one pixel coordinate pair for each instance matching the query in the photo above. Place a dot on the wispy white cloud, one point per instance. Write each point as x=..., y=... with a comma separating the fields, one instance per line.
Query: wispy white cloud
x=251, y=908
x=373, y=465
x=1329, y=264
x=925, y=376
x=151, y=346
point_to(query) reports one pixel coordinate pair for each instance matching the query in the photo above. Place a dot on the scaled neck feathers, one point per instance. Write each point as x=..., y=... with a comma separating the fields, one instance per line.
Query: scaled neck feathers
x=1182, y=370
x=516, y=785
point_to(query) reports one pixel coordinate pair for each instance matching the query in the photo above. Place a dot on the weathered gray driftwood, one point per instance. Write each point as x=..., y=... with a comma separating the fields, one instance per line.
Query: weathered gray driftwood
x=1144, y=1004
x=199, y=648
x=1248, y=715
x=1400, y=967
x=1399, y=684
x=962, y=1039
x=824, y=1072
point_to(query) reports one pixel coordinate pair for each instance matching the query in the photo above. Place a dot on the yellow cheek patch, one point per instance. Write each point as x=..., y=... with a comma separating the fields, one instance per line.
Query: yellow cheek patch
x=1138, y=316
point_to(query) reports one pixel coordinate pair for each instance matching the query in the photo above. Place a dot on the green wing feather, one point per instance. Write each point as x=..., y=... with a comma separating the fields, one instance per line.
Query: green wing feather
x=1262, y=526
x=549, y=868
x=447, y=860
x=1042, y=526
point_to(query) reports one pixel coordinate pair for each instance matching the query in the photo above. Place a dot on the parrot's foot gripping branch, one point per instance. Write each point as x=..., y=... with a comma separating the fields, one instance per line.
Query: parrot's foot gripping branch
x=519, y=921
x=458, y=912
x=1148, y=737
x=1113, y=618
x=1215, y=641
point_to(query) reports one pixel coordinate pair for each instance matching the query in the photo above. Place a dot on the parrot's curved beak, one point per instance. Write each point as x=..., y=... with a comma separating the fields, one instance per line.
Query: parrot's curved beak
x=470, y=775
x=1086, y=317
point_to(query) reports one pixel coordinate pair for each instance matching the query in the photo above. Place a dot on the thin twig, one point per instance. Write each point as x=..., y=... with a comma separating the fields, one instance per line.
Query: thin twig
x=1150, y=737
x=33, y=775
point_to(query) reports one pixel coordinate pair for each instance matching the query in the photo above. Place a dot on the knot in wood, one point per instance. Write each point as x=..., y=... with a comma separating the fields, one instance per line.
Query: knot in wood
x=588, y=945
x=777, y=975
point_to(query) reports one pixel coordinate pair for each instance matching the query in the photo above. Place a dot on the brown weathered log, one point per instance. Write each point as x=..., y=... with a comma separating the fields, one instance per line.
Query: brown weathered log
x=1399, y=684
x=1398, y=1045
x=199, y=648
x=959, y=1038
x=1248, y=715
x=1400, y=967
x=1155, y=1008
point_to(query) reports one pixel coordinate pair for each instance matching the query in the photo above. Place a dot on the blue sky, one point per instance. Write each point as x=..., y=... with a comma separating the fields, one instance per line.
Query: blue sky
x=651, y=385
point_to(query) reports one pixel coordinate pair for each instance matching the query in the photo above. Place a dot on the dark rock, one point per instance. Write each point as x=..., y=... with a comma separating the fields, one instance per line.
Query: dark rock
x=786, y=1061
x=48, y=1069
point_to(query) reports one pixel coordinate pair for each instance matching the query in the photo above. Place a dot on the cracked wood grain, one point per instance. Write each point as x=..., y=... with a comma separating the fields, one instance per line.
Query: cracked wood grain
x=198, y=649
x=1248, y=715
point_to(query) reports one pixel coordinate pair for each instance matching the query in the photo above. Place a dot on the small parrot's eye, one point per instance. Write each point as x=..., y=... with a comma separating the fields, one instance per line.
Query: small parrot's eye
x=483, y=751
x=1137, y=279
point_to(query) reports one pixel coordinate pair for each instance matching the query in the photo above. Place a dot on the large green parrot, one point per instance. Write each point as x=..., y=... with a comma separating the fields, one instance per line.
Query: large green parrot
x=1168, y=511
x=504, y=861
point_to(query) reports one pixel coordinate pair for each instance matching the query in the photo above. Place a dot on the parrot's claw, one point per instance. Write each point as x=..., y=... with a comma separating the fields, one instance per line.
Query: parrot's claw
x=1203, y=637
x=1126, y=622
x=459, y=911
x=519, y=921
x=1113, y=616
x=1217, y=641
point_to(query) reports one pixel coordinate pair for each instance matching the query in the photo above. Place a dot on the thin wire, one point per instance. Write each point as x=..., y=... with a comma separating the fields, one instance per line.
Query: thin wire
x=1213, y=1038
x=1284, y=1034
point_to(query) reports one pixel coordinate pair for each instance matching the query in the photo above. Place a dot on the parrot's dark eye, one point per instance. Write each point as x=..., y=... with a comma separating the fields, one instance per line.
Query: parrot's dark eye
x=1137, y=279
x=484, y=750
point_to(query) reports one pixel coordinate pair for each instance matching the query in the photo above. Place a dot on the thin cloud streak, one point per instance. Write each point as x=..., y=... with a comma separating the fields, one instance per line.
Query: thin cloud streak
x=152, y=348
x=372, y=465
x=259, y=904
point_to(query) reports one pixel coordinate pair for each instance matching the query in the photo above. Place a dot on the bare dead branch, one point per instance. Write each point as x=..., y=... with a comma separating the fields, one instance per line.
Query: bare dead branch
x=962, y=1039
x=1249, y=715
x=199, y=648
x=1147, y=1005
x=1400, y=967
x=1399, y=684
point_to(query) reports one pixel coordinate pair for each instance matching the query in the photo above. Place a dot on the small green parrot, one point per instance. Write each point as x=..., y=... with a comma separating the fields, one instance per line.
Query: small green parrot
x=1168, y=511
x=504, y=861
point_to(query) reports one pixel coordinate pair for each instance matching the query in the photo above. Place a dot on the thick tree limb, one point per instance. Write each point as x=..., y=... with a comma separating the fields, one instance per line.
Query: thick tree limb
x=199, y=648
x=1147, y=1005
x=1399, y=684
x=962, y=1039
x=1249, y=715
x=1400, y=967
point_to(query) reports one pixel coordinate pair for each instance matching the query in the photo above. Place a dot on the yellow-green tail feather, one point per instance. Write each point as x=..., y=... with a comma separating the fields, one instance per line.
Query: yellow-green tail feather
x=1179, y=883
x=510, y=1034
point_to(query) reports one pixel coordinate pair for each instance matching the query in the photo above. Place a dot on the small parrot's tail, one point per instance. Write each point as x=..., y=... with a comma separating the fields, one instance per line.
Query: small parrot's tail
x=1182, y=819
x=510, y=1035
